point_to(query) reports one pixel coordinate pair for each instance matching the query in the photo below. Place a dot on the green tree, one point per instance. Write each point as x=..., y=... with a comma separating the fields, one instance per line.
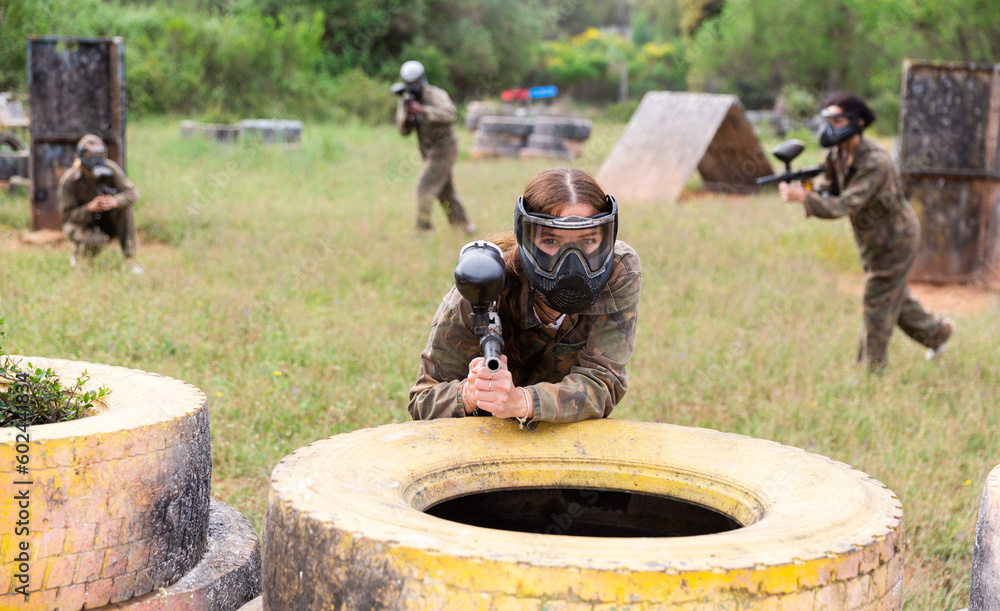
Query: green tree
x=18, y=20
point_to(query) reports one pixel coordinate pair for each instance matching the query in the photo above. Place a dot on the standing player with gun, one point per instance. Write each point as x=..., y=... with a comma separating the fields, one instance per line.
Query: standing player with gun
x=859, y=180
x=430, y=112
x=566, y=294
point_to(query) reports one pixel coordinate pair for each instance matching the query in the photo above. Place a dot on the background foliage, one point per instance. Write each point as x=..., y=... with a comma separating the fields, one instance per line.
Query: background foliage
x=328, y=58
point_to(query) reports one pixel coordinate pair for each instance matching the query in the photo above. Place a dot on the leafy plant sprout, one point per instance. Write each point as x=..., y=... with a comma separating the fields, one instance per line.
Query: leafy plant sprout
x=32, y=395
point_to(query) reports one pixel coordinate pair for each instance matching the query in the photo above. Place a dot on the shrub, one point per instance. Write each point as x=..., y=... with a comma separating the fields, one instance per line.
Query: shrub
x=368, y=99
x=798, y=102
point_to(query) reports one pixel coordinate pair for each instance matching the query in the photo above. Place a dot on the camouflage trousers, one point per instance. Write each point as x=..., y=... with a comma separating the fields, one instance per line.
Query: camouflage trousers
x=888, y=303
x=91, y=238
x=435, y=181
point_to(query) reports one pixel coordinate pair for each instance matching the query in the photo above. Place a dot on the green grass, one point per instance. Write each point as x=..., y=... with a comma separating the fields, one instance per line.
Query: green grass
x=291, y=287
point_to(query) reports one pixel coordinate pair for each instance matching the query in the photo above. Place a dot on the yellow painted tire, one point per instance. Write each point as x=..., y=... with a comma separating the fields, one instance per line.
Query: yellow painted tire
x=118, y=501
x=345, y=525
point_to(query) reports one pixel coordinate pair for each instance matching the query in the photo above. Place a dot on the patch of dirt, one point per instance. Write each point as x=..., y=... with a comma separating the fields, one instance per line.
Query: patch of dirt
x=940, y=298
x=16, y=240
x=43, y=236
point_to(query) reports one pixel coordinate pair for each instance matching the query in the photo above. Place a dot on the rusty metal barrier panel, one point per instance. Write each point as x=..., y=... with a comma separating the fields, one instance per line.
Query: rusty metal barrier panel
x=76, y=86
x=949, y=133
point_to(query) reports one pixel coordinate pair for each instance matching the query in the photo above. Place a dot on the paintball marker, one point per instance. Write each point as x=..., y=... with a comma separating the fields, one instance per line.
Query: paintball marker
x=402, y=91
x=787, y=151
x=105, y=180
x=479, y=276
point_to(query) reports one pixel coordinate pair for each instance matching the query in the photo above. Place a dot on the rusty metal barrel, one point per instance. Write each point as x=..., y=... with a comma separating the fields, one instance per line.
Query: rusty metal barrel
x=949, y=128
x=76, y=87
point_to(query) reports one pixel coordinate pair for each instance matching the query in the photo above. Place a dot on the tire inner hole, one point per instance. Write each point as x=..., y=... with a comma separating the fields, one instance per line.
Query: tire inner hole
x=583, y=512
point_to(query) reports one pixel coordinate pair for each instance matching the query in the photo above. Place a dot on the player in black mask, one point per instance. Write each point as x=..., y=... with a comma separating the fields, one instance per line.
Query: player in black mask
x=568, y=312
x=860, y=181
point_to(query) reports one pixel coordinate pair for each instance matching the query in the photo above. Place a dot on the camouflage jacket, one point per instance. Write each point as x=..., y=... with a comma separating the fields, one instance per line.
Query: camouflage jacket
x=575, y=372
x=886, y=228
x=434, y=130
x=76, y=191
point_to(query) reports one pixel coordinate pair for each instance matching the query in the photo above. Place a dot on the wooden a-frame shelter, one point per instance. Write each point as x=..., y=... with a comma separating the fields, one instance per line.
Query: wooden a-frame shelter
x=673, y=133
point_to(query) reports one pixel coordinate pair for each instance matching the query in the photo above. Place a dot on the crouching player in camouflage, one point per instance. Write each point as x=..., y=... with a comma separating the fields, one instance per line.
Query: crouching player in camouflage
x=430, y=111
x=567, y=310
x=96, y=200
x=860, y=181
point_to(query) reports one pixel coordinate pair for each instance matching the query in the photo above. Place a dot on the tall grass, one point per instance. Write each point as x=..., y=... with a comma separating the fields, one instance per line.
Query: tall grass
x=291, y=286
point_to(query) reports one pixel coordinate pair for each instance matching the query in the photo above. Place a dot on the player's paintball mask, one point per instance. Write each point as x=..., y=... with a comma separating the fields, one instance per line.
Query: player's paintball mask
x=92, y=152
x=831, y=136
x=568, y=259
x=414, y=77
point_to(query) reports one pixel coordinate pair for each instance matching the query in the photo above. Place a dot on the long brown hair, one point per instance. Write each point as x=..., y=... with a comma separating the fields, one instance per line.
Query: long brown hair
x=547, y=193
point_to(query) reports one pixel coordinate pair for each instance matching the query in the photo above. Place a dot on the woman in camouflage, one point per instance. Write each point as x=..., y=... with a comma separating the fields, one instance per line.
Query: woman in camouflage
x=860, y=181
x=567, y=310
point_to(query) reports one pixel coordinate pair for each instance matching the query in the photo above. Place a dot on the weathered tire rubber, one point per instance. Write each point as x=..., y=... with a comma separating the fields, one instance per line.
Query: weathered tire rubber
x=535, y=153
x=984, y=589
x=563, y=127
x=13, y=141
x=345, y=525
x=118, y=501
x=517, y=126
x=227, y=577
x=501, y=140
x=549, y=143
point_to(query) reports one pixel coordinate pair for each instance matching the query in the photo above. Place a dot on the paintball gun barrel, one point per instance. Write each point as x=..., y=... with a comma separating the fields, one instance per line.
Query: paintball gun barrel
x=787, y=151
x=402, y=91
x=479, y=276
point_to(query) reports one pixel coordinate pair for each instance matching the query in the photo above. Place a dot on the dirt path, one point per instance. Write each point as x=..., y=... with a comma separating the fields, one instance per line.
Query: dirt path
x=944, y=299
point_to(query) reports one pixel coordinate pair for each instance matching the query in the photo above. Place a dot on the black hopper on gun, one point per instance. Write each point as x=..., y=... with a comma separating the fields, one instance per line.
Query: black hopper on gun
x=479, y=276
x=786, y=152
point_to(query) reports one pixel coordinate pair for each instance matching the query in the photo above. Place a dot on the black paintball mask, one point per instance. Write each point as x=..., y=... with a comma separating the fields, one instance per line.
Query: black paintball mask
x=568, y=259
x=831, y=136
x=92, y=157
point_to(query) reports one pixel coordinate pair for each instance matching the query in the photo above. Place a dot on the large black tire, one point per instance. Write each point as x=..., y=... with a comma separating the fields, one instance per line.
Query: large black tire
x=517, y=126
x=563, y=127
x=542, y=142
x=119, y=501
x=12, y=141
x=227, y=577
x=347, y=523
x=502, y=140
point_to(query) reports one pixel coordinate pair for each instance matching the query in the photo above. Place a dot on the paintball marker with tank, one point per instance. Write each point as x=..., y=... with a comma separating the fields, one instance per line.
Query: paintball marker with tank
x=479, y=276
x=787, y=151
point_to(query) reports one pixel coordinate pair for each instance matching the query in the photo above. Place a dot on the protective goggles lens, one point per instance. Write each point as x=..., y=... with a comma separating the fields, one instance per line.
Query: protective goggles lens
x=92, y=159
x=827, y=114
x=550, y=240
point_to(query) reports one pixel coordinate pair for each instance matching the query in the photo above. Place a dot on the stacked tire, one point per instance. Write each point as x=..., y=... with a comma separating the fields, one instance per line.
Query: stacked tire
x=13, y=156
x=271, y=131
x=220, y=132
x=548, y=137
x=500, y=136
x=117, y=505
